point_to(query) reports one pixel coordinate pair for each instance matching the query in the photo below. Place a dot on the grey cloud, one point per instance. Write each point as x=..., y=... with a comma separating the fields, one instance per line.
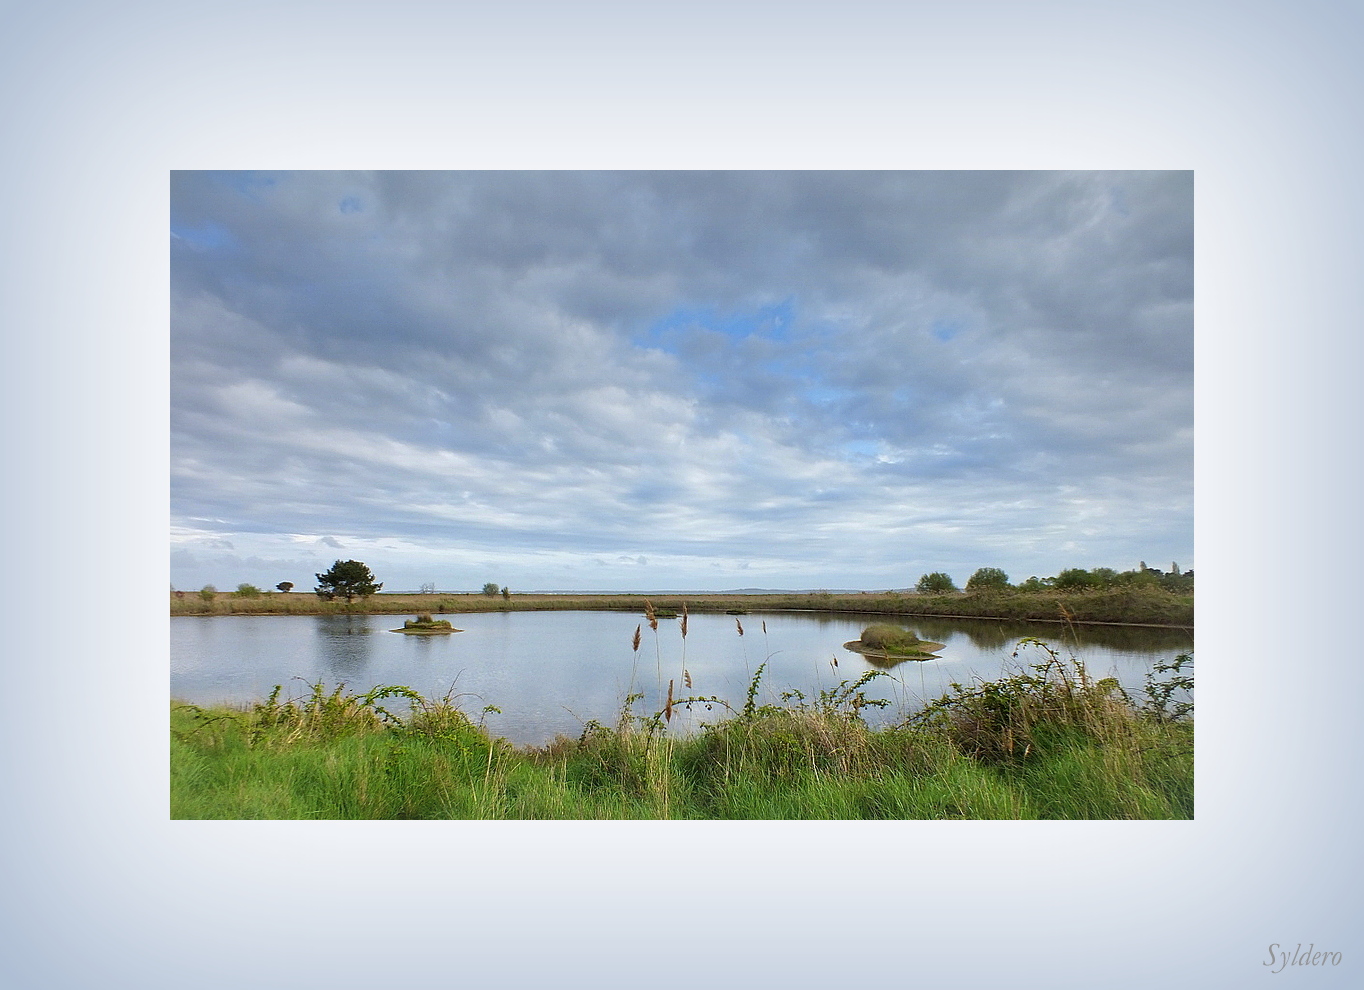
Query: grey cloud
x=492, y=357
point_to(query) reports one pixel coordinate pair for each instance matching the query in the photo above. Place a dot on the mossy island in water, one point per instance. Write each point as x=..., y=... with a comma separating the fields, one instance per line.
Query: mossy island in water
x=424, y=625
x=893, y=643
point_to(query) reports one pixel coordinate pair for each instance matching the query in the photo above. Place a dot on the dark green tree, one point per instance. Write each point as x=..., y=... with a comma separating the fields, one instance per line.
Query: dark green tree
x=285, y=586
x=1103, y=577
x=935, y=583
x=491, y=589
x=348, y=579
x=1074, y=579
x=987, y=579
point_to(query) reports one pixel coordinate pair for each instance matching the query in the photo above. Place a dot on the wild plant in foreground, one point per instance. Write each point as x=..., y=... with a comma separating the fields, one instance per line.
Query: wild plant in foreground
x=658, y=650
x=1009, y=718
x=320, y=715
x=1159, y=705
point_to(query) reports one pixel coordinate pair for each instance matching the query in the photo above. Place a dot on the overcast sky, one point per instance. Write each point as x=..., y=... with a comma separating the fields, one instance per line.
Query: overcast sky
x=686, y=381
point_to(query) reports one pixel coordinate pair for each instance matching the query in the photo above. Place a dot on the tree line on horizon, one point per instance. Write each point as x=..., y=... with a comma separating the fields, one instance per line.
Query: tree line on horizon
x=352, y=579
x=987, y=579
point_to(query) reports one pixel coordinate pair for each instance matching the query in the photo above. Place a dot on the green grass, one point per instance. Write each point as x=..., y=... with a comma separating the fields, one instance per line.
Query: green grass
x=1045, y=742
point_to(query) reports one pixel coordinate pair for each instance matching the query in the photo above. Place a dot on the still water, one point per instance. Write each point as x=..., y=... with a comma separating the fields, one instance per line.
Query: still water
x=551, y=672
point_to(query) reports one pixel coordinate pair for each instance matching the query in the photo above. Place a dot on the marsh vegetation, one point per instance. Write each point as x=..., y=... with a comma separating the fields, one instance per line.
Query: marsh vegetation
x=425, y=625
x=889, y=642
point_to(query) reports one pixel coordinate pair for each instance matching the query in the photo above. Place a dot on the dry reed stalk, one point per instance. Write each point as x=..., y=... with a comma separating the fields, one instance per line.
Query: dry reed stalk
x=634, y=644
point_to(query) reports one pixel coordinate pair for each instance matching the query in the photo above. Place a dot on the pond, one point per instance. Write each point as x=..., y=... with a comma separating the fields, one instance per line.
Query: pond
x=551, y=672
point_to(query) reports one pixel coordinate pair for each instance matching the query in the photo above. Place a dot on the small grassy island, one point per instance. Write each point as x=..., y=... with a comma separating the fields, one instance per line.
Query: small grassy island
x=884, y=641
x=424, y=625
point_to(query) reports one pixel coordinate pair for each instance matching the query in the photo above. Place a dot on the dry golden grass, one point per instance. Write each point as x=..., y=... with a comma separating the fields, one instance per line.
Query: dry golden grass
x=1144, y=607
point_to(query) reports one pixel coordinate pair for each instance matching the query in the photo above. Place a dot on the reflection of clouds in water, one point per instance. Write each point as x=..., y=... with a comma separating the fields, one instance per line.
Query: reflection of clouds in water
x=344, y=644
x=991, y=634
x=551, y=672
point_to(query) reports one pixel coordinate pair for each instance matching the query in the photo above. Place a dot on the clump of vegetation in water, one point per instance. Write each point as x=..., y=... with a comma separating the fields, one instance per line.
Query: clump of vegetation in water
x=893, y=641
x=423, y=623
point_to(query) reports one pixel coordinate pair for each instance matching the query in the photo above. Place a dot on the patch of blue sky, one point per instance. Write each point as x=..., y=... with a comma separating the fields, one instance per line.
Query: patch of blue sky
x=862, y=450
x=945, y=329
x=821, y=394
x=351, y=204
x=772, y=321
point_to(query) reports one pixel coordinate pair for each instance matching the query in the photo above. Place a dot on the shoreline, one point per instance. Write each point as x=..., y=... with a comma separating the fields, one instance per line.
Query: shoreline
x=1142, y=608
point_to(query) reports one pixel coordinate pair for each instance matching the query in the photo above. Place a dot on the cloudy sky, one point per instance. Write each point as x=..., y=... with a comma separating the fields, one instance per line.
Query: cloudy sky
x=688, y=381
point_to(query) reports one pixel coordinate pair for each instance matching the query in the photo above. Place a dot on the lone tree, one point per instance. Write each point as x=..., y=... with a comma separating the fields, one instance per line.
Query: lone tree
x=347, y=579
x=987, y=579
x=935, y=583
x=285, y=586
x=490, y=589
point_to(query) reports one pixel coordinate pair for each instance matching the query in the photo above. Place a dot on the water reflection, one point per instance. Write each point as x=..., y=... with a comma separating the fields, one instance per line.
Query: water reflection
x=993, y=634
x=344, y=645
x=885, y=662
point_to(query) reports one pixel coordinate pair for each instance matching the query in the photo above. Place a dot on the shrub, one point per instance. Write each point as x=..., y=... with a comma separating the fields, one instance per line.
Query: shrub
x=892, y=639
x=491, y=589
x=208, y=592
x=1017, y=715
x=247, y=591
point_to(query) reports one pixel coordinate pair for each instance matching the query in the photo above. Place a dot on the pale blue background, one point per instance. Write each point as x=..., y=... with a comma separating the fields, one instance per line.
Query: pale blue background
x=1261, y=99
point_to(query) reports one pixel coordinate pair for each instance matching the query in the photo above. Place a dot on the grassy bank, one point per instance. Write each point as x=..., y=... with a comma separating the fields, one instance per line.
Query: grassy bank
x=1136, y=606
x=1045, y=742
